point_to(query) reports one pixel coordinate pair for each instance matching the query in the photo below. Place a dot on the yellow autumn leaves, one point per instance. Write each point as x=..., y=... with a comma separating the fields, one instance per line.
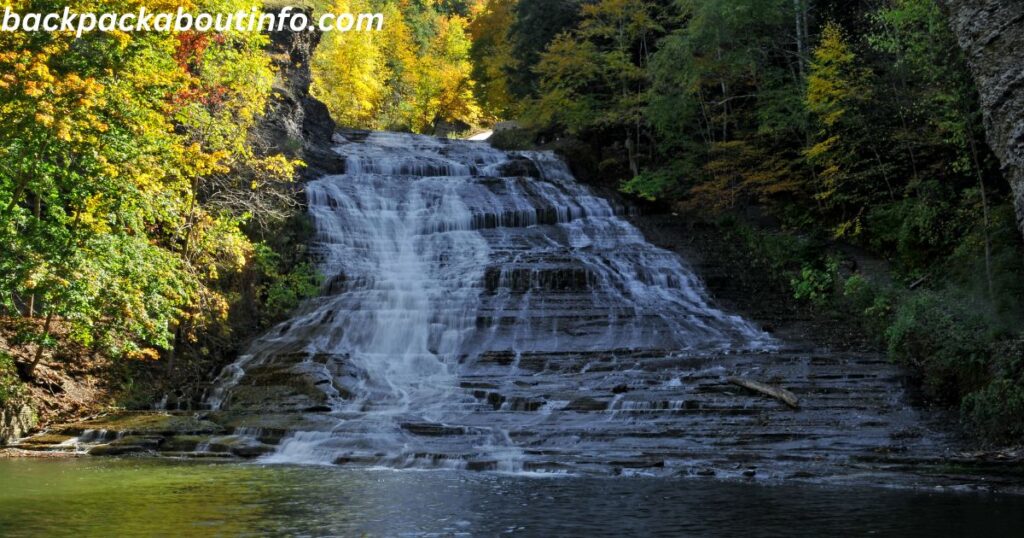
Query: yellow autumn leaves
x=112, y=147
x=412, y=75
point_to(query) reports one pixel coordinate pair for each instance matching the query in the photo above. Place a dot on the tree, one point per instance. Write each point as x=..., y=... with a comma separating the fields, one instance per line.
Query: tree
x=112, y=144
x=940, y=130
x=351, y=72
x=837, y=88
x=492, y=56
x=537, y=23
x=594, y=80
x=412, y=75
x=726, y=104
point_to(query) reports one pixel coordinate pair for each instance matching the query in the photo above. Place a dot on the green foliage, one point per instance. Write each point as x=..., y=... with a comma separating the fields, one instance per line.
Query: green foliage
x=289, y=289
x=966, y=350
x=652, y=185
x=536, y=24
x=963, y=360
x=915, y=230
x=11, y=388
x=777, y=254
x=967, y=264
x=870, y=131
x=838, y=89
x=725, y=93
x=816, y=284
x=945, y=339
x=594, y=79
x=871, y=302
x=284, y=288
x=995, y=410
x=127, y=177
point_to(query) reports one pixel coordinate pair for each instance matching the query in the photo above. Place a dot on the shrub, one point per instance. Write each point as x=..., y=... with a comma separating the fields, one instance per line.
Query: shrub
x=816, y=284
x=283, y=286
x=945, y=340
x=289, y=289
x=515, y=139
x=996, y=410
x=871, y=302
x=775, y=253
x=916, y=231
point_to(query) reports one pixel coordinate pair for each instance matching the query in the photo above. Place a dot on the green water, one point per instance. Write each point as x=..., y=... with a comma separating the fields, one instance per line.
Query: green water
x=93, y=497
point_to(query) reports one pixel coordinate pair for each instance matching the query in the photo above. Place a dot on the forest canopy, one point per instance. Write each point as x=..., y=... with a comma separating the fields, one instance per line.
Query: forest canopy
x=412, y=76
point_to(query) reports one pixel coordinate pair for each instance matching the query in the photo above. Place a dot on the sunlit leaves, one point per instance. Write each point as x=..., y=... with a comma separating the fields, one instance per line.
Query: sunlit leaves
x=411, y=75
x=111, y=145
x=596, y=77
x=493, y=57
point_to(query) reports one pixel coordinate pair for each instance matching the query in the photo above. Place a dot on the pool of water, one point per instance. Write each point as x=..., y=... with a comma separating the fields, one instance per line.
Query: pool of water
x=92, y=497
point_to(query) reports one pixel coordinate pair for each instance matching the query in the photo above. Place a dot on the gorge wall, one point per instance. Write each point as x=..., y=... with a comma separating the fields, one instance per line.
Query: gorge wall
x=296, y=123
x=991, y=33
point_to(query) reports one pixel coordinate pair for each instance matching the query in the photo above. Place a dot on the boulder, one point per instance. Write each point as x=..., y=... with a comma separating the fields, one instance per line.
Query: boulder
x=15, y=422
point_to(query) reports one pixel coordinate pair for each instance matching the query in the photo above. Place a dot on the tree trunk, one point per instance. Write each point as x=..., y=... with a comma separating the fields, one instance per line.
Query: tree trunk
x=631, y=153
x=801, y=39
x=985, y=213
x=778, y=393
x=40, y=347
x=172, y=355
x=32, y=298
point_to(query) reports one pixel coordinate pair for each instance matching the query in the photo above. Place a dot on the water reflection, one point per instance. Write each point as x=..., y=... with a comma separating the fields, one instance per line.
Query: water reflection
x=137, y=497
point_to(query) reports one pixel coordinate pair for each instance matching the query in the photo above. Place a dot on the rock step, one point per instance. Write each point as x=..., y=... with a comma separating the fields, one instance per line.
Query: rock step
x=644, y=411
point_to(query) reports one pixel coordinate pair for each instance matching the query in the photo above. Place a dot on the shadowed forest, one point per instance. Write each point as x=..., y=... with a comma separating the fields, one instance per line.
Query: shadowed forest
x=146, y=233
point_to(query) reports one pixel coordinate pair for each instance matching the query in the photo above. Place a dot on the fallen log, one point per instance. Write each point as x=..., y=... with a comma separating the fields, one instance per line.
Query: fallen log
x=780, y=394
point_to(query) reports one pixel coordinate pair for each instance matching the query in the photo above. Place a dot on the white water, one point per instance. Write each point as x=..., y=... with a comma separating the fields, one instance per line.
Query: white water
x=440, y=254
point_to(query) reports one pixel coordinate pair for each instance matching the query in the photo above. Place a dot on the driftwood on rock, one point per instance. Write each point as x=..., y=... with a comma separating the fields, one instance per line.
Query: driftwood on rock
x=780, y=394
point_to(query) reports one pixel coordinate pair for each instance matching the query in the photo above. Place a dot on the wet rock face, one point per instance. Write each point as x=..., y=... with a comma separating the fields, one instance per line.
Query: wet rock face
x=141, y=424
x=991, y=33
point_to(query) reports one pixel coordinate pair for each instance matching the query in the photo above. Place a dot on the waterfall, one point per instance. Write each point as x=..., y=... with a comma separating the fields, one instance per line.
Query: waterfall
x=472, y=297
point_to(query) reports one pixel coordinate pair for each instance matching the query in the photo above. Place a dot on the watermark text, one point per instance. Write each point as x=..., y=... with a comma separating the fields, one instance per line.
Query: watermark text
x=287, y=19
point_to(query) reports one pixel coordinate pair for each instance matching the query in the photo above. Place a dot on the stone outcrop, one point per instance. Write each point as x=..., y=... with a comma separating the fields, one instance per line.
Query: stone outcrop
x=991, y=33
x=296, y=123
x=15, y=421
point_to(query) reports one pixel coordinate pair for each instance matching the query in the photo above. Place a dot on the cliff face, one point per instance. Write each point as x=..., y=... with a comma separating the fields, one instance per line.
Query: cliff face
x=991, y=32
x=295, y=123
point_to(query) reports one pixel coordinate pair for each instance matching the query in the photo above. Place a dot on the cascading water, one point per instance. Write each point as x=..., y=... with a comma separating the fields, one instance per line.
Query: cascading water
x=479, y=306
